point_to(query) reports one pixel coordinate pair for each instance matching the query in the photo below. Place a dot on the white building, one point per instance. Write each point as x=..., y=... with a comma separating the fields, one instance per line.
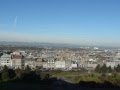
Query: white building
x=68, y=64
x=49, y=64
x=114, y=62
x=74, y=64
x=30, y=62
x=60, y=65
x=23, y=53
x=6, y=60
x=110, y=63
x=91, y=64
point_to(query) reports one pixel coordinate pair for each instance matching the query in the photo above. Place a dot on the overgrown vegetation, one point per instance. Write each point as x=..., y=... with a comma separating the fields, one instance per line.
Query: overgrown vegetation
x=19, y=74
x=100, y=76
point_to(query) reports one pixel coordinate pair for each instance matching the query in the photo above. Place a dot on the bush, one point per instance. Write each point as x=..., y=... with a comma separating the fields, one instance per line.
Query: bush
x=44, y=76
x=19, y=73
x=5, y=74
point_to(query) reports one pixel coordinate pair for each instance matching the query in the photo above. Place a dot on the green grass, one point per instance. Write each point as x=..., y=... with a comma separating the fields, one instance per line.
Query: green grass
x=76, y=77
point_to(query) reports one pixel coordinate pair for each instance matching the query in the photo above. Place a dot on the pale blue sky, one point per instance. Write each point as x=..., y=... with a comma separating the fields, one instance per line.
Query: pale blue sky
x=92, y=22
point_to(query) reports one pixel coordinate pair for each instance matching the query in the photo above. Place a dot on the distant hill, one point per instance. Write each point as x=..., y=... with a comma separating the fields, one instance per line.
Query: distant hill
x=53, y=45
x=36, y=44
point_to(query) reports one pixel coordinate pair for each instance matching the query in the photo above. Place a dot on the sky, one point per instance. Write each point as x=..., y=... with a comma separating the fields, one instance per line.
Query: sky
x=83, y=22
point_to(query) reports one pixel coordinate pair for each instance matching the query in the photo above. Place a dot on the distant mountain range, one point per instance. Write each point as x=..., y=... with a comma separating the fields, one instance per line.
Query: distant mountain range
x=55, y=45
x=36, y=44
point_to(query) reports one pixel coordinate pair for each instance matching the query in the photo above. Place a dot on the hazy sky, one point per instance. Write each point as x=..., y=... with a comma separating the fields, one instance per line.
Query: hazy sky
x=89, y=22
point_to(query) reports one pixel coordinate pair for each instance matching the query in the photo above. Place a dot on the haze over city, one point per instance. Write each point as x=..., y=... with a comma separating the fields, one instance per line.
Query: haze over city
x=83, y=22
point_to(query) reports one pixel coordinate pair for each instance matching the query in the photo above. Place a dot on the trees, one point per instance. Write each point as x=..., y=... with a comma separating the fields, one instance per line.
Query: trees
x=5, y=74
x=1, y=54
x=98, y=68
x=44, y=76
x=19, y=73
x=11, y=73
x=27, y=69
x=103, y=69
x=109, y=69
x=117, y=69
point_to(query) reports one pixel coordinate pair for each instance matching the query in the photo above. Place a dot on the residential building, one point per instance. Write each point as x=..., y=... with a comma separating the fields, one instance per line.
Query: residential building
x=91, y=64
x=16, y=60
x=6, y=60
x=74, y=64
x=60, y=65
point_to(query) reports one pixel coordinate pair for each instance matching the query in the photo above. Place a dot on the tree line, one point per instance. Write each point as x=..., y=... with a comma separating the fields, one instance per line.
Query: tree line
x=105, y=69
x=7, y=74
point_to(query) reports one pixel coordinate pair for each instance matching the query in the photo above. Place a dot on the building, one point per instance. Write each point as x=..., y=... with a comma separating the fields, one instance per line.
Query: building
x=91, y=64
x=68, y=64
x=113, y=62
x=74, y=64
x=39, y=62
x=16, y=60
x=60, y=65
x=6, y=60
x=30, y=62
x=49, y=64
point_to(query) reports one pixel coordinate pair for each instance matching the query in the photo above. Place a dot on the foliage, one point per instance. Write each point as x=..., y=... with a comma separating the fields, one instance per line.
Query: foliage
x=11, y=73
x=109, y=69
x=98, y=69
x=44, y=76
x=103, y=69
x=70, y=76
x=27, y=69
x=117, y=69
x=5, y=74
x=19, y=73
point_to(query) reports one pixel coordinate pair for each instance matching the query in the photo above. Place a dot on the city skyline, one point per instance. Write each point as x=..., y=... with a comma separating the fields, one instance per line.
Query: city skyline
x=88, y=22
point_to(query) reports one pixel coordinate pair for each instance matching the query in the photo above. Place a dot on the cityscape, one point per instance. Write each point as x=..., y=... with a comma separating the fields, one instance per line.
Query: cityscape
x=59, y=44
x=65, y=59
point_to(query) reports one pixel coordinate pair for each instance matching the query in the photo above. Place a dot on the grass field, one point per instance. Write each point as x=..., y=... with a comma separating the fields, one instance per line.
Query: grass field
x=77, y=77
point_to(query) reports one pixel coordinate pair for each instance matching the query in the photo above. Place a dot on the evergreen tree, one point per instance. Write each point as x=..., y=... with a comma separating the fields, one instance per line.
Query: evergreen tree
x=5, y=74
x=1, y=54
x=117, y=69
x=104, y=69
x=109, y=69
x=27, y=70
x=98, y=68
